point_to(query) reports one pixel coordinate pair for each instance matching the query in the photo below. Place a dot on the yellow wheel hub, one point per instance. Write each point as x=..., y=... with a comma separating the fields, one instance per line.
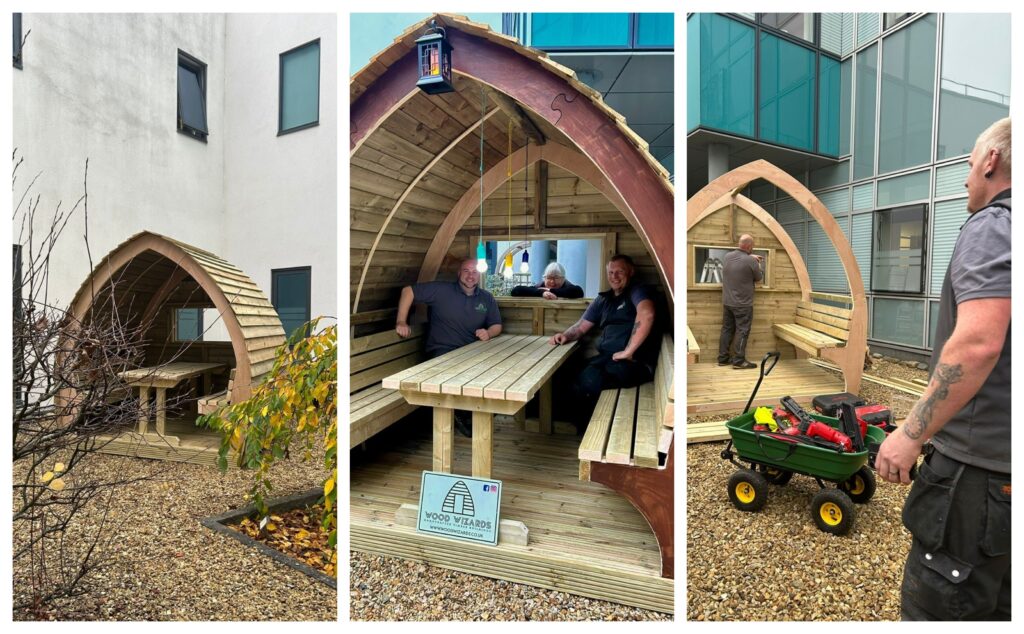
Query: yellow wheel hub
x=745, y=492
x=830, y=513
x=857, y=485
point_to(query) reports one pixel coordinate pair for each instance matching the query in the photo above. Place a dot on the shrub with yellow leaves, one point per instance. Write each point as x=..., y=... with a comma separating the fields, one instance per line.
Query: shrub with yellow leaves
x=297, y=402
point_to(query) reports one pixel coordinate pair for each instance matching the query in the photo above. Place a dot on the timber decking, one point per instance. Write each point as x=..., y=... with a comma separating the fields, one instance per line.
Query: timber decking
x=584, y=538
x=711, y=388
x=184, y=443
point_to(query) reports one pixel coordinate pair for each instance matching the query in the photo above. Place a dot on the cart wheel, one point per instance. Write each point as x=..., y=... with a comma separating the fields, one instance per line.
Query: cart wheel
x=861, y=485
x=774, y=475
x=832, y=511
x=748, y=490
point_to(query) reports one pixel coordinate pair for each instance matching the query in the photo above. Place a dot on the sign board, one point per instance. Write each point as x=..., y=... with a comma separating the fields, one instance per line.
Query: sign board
x=460, y=507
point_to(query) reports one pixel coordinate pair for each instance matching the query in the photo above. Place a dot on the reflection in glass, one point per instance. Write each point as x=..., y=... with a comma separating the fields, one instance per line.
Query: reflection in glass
x=898, y=320
x=726, y=62
x=908, y=87
x=787, y=93
x=975, y=87
x=864, y=113
x=799, y=25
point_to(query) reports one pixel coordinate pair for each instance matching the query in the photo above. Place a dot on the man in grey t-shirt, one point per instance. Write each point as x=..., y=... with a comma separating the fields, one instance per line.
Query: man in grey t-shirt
x=740, y=270
x=958, y=510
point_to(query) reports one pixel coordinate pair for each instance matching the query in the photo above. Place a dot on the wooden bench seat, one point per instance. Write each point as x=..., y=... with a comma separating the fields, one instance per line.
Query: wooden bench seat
x=628, y=447
x=692, y=348
x=213, y=402
x=818, y=327
x=371, y=407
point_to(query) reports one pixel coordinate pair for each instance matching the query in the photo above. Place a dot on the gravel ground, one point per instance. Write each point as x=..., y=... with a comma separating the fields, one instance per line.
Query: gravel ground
x=165, y=566
x=392, y=589
x=775, y=564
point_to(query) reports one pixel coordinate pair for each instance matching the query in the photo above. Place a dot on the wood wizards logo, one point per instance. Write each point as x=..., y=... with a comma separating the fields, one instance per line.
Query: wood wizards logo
x=480, y=308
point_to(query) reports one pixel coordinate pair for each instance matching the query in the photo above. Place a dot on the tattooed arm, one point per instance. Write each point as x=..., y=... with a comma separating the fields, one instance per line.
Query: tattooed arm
x=641, y=328
x=967, y=359
x=573, y=333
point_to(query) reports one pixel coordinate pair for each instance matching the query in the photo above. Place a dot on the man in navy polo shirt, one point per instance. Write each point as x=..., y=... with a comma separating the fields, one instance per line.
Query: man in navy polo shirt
x=627, y=353
x=460, y=313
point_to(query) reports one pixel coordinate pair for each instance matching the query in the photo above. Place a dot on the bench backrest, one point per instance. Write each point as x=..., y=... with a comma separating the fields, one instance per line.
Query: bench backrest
x=830, y=320
x=376, y=356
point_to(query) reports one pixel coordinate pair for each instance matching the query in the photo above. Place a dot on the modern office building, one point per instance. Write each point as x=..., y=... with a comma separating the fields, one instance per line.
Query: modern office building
x=876, y=113
x=215, y=130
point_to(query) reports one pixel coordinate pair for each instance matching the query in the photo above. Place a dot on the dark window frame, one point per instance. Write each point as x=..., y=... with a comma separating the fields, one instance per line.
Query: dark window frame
x=280, y=88
x=199, y=68
x=17, y=40
x=925, y=254
x=309, y=292
x=200, y=329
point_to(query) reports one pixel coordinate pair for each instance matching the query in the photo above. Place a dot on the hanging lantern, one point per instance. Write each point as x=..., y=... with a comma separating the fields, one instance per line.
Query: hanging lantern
x=524, y=266
x=434, y=54
x=481, y=257
x=508, y=266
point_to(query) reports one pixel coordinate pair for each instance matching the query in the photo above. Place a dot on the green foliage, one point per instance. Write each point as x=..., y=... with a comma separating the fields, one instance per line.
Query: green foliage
x=297, y=402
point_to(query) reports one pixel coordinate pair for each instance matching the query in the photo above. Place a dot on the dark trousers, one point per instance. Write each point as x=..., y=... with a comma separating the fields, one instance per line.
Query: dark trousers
x=736, y=321
x=959, y=562
x=602, y=373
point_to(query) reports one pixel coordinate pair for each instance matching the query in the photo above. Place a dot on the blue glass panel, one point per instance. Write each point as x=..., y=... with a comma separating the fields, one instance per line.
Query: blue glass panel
x=830, y=97
x=189, y=324
x=290, y=291
x=655, y=29
x=300, y=87
x=580, y=29
x=693, y=71
x=726, y=74
x=864, y=113
x=787, y=93
x=908, y=89
x=845, y=104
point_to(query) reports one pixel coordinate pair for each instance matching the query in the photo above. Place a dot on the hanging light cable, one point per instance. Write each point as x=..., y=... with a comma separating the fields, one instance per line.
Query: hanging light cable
x=524, y=266
x=481, y=249
x=507, y=272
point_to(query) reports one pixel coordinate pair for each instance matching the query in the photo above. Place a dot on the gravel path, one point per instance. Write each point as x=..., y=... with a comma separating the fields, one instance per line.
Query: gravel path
x=165, y=566
x=775, y=564
x=392, y=589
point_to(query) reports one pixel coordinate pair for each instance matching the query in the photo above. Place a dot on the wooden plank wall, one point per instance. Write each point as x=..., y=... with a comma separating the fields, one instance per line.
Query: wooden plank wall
x=773, y=305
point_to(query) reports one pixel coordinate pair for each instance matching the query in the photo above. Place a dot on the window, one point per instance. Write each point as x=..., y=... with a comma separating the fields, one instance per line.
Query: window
x=299, y=106
x=908, y=90
x=898, y=321
x=974, y=89
x=799, y=25
x=17, y=40
x=583, y=258
x=864, y=113
x=708, y=261
x=725, y=59
x=830, y=99
x=897, y=264
x=892, y=19
x=192, y=97
x=655, y=30
x=787, y=93
x=290, y=293
x=580, y=30
x=188, y=324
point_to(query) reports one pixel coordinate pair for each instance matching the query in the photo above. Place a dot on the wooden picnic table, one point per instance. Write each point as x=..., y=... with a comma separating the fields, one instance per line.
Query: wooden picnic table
x=498, y=376
x=160, y=378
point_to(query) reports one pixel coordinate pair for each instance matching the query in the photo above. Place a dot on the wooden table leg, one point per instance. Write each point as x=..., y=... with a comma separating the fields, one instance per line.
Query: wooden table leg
x=161, y=410
x=545, y=408
x=444, y=439
x=143, y=409
x=483, y=444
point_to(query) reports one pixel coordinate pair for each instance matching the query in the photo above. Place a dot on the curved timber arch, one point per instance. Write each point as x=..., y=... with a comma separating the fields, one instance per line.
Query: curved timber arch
x=251, y=321
x=547, y=91
x=720, y=191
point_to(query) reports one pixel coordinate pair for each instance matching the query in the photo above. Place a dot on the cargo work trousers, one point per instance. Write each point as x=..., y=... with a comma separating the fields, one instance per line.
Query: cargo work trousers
x=736, y=321
x=959, y=562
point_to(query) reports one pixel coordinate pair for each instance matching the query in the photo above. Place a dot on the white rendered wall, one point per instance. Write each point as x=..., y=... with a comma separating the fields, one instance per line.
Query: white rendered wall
x=281, y=191
x=104, y=87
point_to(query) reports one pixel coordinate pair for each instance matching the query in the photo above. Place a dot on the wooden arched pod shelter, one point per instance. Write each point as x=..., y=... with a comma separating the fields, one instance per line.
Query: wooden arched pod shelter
x=578, y=172
x=830, y=327
x=148, y=278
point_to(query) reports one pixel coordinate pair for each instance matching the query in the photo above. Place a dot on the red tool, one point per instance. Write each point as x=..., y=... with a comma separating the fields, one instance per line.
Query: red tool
x=812, y=428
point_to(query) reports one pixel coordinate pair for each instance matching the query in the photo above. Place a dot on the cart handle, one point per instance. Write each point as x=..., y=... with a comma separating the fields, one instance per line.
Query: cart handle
x=764, y=372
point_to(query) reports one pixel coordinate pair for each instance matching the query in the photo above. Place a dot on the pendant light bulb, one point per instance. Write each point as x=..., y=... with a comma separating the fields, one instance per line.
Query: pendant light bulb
x=481, y=258
x=508, y=266
x=524, y=267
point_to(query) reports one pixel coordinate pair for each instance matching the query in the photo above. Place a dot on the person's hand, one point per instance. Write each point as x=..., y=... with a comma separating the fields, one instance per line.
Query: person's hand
x=759, y=258
x=403, y=330
x=896, y=456
x=549, y=295
x=482, y=334
x=622, y=355
x=557, y=339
